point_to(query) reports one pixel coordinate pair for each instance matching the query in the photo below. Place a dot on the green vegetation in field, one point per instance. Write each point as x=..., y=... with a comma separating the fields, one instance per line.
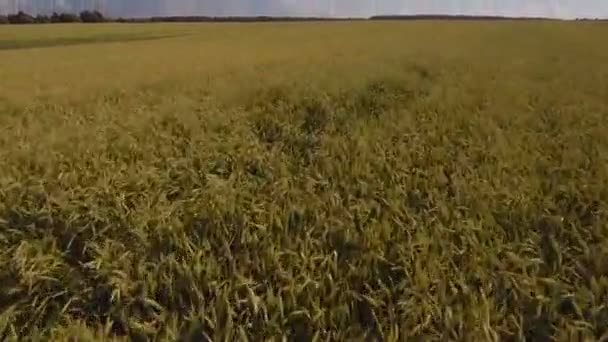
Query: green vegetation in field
x=41, y=43
x=335, y=181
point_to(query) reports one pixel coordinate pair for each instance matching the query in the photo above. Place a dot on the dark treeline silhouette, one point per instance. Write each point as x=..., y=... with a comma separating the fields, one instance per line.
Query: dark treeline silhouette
x=97, y=17
x=452, y=17
x=603, y=20
x=20, y=18
x=92, y=17
x=24, y=18
x=238, y=19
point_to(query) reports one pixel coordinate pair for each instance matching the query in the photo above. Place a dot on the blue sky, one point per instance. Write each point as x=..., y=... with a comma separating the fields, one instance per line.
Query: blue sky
x=360, y=8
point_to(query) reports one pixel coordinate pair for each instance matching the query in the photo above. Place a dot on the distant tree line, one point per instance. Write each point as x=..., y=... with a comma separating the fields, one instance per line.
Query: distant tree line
x=466, y=17
x=242, y=19
x=25, y=18
x=97, y=17
x=451, y=17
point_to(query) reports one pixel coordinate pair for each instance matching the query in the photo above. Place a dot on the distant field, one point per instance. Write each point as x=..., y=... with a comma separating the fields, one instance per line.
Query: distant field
x=313, y=181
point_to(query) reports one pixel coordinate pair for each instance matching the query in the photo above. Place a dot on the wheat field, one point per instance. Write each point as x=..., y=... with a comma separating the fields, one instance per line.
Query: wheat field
x=387, y=181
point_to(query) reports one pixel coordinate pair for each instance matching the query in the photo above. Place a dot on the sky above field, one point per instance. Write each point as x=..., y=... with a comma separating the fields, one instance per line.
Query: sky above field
x=338, y=8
